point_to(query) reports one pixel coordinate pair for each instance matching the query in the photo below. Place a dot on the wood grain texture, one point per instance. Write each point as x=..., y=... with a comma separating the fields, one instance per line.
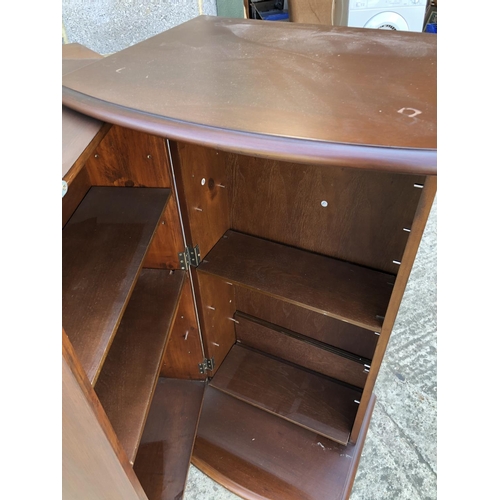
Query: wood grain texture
x=130, y=158
x=216, y=308
x=301, y=351
x=326, y=79
x=309, y=400
x=103, y=246
x=128, y=377
x=133, y=159
x=202, y=182
x=260, y=456
x=184, y=350
x=94, y=465
x=162, y=462
x=363, y=221
x=418, y=226
x=335, y=288
x=80, y=186
x=311, y=11
x=317, y=326
x=163, y=253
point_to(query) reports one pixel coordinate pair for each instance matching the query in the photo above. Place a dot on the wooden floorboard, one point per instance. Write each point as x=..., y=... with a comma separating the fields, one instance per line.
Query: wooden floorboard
x=103, y=247
x=332, y=287
x=302, y=397
x=162, y=462
x=260, y=456
x=128, y=377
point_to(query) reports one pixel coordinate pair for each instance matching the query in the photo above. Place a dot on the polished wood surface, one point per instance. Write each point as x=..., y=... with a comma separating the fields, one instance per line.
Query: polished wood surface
x=312, y=401
x=327, y=330
x=130, y=158
x=80, y=186
x=202, y=181
x=80, y=133
x=239, y=85
x=216, y=308
x=103, y=246
x=133, y=159
x=260, y=456
x=301, y=350
x=80, y=136
x=184, y=350
x=418, y=226
x=128, y=377
x=76, y=56
x=94, y=465
x=332, y=287
x=163, y=253
x=363, y=220
x=162, y=462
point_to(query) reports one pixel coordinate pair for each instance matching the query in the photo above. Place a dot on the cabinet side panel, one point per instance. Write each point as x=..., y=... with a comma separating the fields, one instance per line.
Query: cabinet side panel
x=184, y=351
x=94, y=465
x=203, y=184
x=417, y=230
x=80, y=184
x=349, y=214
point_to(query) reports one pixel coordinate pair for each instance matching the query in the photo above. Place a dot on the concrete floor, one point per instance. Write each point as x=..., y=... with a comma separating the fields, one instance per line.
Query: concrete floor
x=399, y=457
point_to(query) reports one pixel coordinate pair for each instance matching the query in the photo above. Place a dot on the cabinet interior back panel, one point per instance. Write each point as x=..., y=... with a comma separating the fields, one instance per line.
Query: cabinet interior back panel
x=349, y=214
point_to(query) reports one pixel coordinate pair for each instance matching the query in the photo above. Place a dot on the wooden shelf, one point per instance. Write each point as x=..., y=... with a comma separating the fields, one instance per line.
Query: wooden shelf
x=258, y=455
x=332, y=287
x=301, y=350
x=163, y=458
x=312, y=401
x=128, y=377
x=103, y=246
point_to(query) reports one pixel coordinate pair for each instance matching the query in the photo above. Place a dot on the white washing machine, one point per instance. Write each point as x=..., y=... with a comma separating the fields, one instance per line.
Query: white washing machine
x=404, y=15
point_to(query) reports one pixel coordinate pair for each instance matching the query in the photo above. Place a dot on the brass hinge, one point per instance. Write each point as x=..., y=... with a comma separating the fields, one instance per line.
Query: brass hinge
x=206, y=365
x=190, y=257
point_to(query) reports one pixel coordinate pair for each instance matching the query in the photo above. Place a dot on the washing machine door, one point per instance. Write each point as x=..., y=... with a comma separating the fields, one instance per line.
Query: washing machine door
x=387, y=21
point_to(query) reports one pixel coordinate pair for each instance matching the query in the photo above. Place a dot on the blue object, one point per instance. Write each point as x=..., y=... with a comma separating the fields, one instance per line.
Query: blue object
x=274, y=17
x=431, y=28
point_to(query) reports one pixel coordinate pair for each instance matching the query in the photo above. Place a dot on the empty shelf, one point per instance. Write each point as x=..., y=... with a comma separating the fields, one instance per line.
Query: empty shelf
x=258, y=455
x=312, y=401
x=128, y=377
x=332, y=287
x=103, y=246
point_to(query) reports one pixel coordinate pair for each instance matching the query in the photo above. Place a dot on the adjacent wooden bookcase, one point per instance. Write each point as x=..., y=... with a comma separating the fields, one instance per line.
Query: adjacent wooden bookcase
x=228, y=295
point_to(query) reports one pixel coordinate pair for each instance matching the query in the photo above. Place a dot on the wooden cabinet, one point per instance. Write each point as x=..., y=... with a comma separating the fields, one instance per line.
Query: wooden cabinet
x=235, y=249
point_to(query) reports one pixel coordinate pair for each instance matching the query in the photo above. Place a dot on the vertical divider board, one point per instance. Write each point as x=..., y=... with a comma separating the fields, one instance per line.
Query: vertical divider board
x=184, y=351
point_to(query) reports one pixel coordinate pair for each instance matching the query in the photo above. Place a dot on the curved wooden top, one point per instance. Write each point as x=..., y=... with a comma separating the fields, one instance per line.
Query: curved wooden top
x=343, y=96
